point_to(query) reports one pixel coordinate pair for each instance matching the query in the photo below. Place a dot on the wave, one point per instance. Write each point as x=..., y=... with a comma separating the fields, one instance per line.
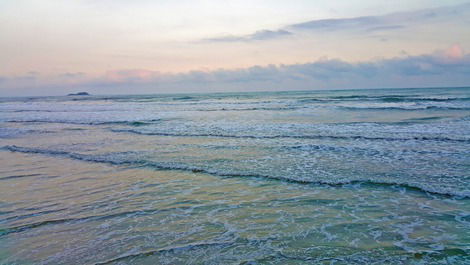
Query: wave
x=310, y=100
x=350, y=97
x=447, y=108
x=416, y=108
x=118, y=159
x=362, y=151
x=412, y=99
x=140, y=98
x=21, y=228
x=6, y=133
x=432, y=118
x=393, y=99
x=27, y=110
x=19, y=176
x=57, y=111
x=334, y=137
x=130, y=123
x=368, y=98
x=399, y=98
x=248, y=109
x=173, y=249
x=183, y=98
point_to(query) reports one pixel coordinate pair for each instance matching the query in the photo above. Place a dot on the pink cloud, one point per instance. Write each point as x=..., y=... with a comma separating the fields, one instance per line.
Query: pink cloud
x=453, y=53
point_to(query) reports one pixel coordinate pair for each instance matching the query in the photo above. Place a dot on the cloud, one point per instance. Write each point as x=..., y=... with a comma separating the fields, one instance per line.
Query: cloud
x=385, y=22
x=72, y=75
x=454, y=53
x=450, y=67
x=357, y=25
x=337, y=24
x=385, y=28
x=259, y=35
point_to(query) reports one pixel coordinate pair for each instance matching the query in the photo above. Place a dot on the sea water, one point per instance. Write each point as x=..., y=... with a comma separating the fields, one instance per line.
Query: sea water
x=322, y=177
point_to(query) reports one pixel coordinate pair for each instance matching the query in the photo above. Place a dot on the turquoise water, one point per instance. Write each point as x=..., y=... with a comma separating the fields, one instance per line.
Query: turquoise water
x=324, y=177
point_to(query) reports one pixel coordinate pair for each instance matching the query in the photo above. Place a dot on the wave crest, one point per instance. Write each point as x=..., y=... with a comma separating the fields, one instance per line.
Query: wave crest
x=126, y=159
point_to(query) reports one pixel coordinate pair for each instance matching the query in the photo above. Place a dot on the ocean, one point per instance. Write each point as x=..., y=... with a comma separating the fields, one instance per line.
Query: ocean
x=377, y=176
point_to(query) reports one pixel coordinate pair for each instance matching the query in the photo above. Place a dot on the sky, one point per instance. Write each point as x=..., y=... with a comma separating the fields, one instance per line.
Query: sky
x=55, y=47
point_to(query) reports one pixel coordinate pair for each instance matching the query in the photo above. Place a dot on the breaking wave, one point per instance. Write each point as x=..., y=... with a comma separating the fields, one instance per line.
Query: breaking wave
x=129, y=123
x=410, y=108
x=132, y=159
x=352, y=137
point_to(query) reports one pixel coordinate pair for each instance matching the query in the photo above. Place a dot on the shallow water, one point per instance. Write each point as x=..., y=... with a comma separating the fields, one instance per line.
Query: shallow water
x=329, y=177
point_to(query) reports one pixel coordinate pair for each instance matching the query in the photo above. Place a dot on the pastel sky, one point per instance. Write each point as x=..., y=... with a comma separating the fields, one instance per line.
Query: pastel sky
x=54, y=47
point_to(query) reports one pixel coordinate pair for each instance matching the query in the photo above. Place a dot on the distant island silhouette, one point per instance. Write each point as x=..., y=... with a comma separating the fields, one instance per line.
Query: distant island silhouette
x=79, y=94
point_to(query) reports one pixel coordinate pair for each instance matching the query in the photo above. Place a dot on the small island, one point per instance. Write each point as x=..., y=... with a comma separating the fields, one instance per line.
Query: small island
x=79, y=94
